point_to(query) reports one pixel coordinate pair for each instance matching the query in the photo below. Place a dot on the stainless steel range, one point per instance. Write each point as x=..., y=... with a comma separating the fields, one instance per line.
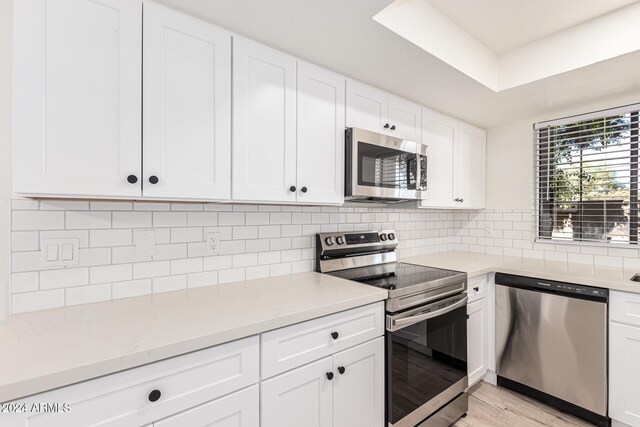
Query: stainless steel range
x=426, y=325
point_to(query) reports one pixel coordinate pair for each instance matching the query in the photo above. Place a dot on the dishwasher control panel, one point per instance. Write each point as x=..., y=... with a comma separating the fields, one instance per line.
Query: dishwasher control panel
x=551, y=286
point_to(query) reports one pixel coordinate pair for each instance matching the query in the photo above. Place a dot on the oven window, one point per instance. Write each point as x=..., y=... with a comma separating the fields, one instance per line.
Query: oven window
x=386, y=167
x=423, y=360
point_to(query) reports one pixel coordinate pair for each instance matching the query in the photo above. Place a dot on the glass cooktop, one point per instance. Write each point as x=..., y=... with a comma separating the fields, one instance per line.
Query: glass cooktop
x=399, y=275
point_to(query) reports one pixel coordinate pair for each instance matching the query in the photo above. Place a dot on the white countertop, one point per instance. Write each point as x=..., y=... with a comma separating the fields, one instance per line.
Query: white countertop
x=475, y=264
x=53, y=348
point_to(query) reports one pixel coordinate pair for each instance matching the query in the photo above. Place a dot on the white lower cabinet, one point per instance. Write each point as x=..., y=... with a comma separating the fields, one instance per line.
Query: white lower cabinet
x=301, y=397
x=240, y=409
x=477, y=329
x=343, y=390
x=358, y=389
x=624, y=361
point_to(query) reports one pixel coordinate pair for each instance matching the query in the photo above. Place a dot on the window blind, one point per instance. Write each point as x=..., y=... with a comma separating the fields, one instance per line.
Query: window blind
x=586, y=182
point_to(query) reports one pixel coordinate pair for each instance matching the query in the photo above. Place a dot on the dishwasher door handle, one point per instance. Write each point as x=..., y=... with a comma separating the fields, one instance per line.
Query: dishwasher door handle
x=399, y=323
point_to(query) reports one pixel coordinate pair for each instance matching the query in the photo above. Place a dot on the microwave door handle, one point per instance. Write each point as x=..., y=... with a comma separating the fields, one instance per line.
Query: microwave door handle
x=406, y=321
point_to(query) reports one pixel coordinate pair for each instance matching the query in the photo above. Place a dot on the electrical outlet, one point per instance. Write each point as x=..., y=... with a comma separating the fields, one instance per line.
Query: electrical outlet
x=213, y=243
x=488, y=230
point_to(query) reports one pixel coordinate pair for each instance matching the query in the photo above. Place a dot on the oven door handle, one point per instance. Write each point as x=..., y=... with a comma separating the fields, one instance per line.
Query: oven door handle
x=406, y=321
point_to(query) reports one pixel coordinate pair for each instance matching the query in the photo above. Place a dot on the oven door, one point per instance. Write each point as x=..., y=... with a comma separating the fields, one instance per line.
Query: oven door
x=382, y=166
x=426, y=354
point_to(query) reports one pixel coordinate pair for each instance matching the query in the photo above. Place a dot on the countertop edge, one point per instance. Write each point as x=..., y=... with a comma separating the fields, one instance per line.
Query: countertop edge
x=44, y=383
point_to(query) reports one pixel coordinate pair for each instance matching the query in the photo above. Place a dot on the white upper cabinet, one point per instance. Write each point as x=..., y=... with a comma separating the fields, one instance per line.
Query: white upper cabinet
x=320, y=142
x=456, y=162
x=470, y=163
x=264, y=123
x=187, y=107
x=438, y=133
x=407, y=119
x=77, y=97
x=377, y=111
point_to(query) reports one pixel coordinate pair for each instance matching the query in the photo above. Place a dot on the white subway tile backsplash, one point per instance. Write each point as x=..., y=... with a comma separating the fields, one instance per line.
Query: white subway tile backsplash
x=170, y=219
x=88, y=294
x=94, y=256
x=37, y=220
x=131, y=219
x=64, y=205
x=186, y=235
x=33, y=301
x=219, y=262
x=231, y=218
x=203, y=219
x=188, y=265
x=76, y=220
x=110, y=273
x=22, y=241
x=24, y=282
x=81, y=235
x=172, y=251
x=109, y=238
x=111, y=206
x=144, y=270
x=232, y=275
x=64, y=278
x=169, y=284
x=206, y=278
x=25, y=205
x=245, y=232
x=131, y=288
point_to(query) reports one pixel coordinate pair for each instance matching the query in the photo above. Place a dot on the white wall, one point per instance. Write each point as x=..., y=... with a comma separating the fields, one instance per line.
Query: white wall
x=510, y=153
x=5, y=155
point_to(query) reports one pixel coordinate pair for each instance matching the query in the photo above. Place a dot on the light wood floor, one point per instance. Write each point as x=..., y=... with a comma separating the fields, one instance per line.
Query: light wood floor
x=491, y=406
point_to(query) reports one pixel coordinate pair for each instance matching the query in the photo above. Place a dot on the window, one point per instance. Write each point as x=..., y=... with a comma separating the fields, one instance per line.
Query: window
x=587, y=177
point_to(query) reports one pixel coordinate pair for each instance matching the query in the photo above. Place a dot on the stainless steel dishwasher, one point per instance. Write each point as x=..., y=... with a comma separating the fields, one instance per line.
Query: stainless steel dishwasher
x=551, y=343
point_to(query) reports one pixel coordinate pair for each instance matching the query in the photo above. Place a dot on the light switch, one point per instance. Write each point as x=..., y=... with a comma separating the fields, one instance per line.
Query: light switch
x=59, y=252
x=67, y=252
x=52, y=252
x=145, y=241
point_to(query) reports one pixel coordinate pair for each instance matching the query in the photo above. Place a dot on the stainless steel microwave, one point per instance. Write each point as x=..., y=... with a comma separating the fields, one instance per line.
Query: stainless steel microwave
x=381, y=168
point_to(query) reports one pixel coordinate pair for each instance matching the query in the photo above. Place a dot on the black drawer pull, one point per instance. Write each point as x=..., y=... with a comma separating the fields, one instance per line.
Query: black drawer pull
x=335, y=335
x=341, y=369
x=329, y=376
x=154, y=396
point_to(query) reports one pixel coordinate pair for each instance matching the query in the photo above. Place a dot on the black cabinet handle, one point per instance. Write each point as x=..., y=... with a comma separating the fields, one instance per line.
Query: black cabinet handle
x=154, y=396
x=292, y=188
x=303, y=189
x=386, y=125
x=461, y=200
x=153, y=179
x=132, y=179
x=341, y=369
x=476, y=289
x=335, y=335
x=393, y=127
x=329, y=376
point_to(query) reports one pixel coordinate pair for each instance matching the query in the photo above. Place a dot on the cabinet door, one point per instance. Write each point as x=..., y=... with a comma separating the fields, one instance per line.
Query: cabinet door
x=321, y=124
x=470, y=164
x=407, y=119
x=438, y=135
x=187, y=106
x=477, y=336
x=77, y=102
x=301, y=397
x=358, y=390
x=367, y=107
x=240, y=409
x=624, y=373
x=264, y=123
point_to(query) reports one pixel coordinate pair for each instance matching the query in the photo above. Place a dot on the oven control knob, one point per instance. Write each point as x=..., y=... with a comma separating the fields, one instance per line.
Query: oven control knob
x=392, y=236
x=329, y=241
x=340, y=240
x=383, y=237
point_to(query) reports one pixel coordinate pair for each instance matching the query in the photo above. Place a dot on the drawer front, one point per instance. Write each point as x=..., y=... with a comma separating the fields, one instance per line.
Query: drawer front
x=123, y=399
x=476, y=288
x=239, y=409
x=624, y=307
x=293, y=346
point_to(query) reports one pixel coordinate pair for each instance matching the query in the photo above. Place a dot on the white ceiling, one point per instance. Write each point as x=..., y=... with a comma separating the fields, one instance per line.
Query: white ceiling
x=502, y=25
x=341, y=35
